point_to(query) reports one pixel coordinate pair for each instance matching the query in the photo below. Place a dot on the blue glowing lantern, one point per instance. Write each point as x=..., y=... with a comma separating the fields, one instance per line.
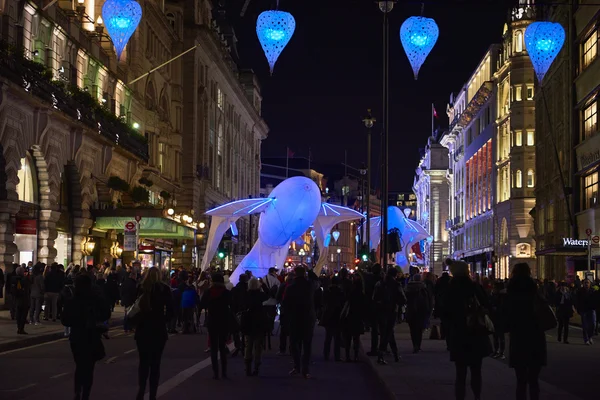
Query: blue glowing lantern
x=274, y=30
x=543, y=41
x=418, y=36
x=121, y=18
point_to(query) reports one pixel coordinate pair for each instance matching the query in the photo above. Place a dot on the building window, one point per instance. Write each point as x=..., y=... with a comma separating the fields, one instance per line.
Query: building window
x=518, y=93
x=530, y=178
x=518, y=42
x=590, y=120
x=519, y=179
x=530, y=138
x=220, y=99
x=529, y=92
x=25, y=187
x=590, y=48
x=518, y=138
x=161, y=157
x=590, y=190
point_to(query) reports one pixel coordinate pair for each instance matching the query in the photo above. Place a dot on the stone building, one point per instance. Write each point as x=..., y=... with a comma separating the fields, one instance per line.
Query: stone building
x=432, y=189
x=83, y=150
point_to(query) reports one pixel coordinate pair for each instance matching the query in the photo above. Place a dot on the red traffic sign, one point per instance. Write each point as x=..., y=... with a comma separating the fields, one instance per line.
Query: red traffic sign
x=596, y=239
x=588, y=232
x=138, y=218
x=130, y=226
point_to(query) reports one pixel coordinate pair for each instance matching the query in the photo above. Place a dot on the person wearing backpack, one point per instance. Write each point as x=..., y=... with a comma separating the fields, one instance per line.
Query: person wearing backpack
x=388, y=296
x=418, y=306
x=468, y=346
x=20, y=290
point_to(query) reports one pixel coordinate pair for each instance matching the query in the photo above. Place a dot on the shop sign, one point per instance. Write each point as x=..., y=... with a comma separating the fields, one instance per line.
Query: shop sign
x=589, y=153
x=570, y=242
x=147, y=248
x=26, y=226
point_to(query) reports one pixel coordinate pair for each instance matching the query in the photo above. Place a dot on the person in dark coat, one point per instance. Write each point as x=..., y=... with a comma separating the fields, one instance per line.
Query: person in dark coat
x=586, y=308
x=527, y=352
x=239, y=295
x=353, y=320
x=333, y=302
x=20, y=290
x=388, y=297
x=283, y=315
x=371, y=280
x=300, y=309
x=497, y=300
x=156, y=309
x=439, y=290
x=37, y=294
x=217, y=300
x=563, y=300
x=111, y=288
x=53, y=283
x=255, y=325
x=83, y=313
x=129, y=290
x=467, y=349
x=418, y=309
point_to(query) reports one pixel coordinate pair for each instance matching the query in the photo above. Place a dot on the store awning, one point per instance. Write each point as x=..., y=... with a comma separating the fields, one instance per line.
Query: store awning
x=561, y=251
x=150, y=227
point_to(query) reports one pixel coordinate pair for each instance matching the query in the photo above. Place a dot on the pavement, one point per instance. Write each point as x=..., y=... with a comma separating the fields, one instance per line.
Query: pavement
x=45, y=370
x=572, y=372
x=44, y=332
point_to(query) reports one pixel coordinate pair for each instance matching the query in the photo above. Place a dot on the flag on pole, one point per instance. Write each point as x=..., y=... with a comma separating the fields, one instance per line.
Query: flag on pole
x=290, y=153
x=435, y=114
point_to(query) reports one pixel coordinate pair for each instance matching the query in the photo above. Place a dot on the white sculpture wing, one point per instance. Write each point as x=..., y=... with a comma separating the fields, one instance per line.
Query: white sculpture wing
x=240, y=208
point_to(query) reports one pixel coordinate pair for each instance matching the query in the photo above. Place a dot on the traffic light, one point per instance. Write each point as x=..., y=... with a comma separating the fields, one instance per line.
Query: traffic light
x=356, y=261
x=364, y=253
x=221, y=253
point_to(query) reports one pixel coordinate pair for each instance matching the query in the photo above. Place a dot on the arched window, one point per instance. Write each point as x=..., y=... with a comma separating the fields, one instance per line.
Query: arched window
x=519, y=179
x=518, y=41
x=26, y=185
x=171, y=18
x=530, y=178
x=150, y=96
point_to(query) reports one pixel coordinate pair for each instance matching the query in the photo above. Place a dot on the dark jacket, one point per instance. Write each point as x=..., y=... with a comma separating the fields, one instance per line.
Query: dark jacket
x=254, y=319
x=388, y=296
x=465, y=347
x=217, y=300
x=128, y=292
x=497, y=314
x=439, y=290
x=418, y=302
x=527, y=340
x=84, y=313
x=21, y=297
x=156, y=312
x=333, y=300
x=353, y=323
x=564, y=304
x=111, y=287
x=586, y=300
x=37, y=286
x=299, y=304
x=239, y=296
x=54, y=282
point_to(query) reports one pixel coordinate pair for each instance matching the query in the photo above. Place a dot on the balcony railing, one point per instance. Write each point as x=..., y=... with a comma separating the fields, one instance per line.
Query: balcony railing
x=477, y=102
x=34, y=78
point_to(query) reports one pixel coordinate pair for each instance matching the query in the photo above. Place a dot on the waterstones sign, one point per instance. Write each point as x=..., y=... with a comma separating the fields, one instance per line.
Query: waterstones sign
x=588, y=153
x=570, y=242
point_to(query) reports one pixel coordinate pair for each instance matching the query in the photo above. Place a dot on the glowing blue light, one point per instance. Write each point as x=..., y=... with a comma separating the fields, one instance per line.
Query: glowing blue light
x=357, y=238
x=336, y=235
x=327, y=240
x=543, y=41
x=274, y=30
x=121, y=18
x=418, y=36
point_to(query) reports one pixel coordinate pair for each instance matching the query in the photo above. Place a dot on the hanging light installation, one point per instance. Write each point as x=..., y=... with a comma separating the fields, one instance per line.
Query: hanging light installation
x=274, y=29
x=121, y=18
x=336, y=235
x=543, y=41
x=418, y=36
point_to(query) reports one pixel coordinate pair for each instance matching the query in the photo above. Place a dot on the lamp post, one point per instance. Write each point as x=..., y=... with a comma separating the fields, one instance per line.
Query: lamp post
x=369, y=121
x=301, y=253
x=339, y=253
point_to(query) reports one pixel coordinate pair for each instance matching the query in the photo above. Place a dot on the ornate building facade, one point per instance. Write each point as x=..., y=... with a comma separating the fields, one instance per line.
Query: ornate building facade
x=89, y=142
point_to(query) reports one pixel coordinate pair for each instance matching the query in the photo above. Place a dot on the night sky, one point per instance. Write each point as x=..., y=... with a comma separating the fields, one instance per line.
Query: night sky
x=331, y=72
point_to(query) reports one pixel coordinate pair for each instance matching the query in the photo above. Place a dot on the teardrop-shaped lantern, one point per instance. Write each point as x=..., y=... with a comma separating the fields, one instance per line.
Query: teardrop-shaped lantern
x=418, y=36
x=543, y=41
x=274, y=30
x=121, y=18
x=336, y=235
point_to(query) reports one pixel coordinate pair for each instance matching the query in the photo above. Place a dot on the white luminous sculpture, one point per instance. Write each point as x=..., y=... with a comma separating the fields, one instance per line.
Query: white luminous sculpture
x=289, y=211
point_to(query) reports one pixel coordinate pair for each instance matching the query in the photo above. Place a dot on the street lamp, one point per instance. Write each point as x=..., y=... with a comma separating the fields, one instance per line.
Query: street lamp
x=369, y=121
x=339, y=253
x=301, y=253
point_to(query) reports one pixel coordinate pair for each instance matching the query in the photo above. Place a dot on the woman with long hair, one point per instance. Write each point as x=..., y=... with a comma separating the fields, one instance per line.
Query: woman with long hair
x=527, y=348
x=156, y=309
x=84, y=313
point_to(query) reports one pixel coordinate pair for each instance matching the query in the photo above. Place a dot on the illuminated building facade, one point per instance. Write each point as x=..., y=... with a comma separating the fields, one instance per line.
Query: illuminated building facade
x=515, y=147
x=432, y=190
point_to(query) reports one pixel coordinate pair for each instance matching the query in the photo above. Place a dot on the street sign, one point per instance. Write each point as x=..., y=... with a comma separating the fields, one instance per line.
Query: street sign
x=588, y=232
x=130, y=227
x=129, y=241
x=595, y=239
x=138, y=218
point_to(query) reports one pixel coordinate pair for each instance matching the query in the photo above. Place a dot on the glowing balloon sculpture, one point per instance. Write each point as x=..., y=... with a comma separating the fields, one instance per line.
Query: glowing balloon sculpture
x=289, y=211
x=543, y=41
x=121, y=18
x=274, y=30
x=418, y=36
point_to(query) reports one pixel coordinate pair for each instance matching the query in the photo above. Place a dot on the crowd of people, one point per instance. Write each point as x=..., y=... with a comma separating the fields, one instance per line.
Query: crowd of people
x=474, y=313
